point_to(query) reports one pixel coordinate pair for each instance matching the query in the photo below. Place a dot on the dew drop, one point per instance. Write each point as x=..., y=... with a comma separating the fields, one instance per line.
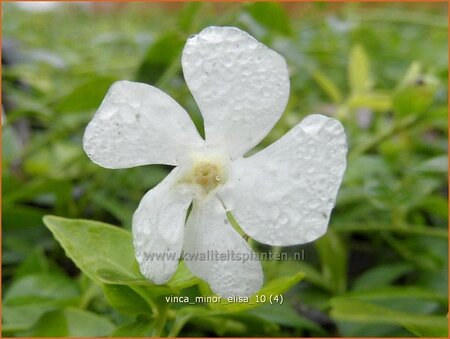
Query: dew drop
x=284, y=219
x=274, y=212
x=135, y=103
x=313, y=204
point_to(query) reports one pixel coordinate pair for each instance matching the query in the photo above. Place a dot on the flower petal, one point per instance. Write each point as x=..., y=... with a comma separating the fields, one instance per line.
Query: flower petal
x=215, y=252
x=158, y=228
x=138, y=124
x=284, y=194
x=240, y=85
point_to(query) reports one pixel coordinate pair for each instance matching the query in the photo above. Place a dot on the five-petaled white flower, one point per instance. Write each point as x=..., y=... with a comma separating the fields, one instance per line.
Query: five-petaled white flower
x=282, y=195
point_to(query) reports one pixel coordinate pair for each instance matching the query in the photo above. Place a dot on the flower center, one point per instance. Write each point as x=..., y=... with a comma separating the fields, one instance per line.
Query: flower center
x=206, y=172
x=207, y=175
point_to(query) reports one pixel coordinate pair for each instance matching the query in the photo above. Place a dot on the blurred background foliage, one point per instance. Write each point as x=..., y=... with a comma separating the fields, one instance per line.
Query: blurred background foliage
x=381, y=269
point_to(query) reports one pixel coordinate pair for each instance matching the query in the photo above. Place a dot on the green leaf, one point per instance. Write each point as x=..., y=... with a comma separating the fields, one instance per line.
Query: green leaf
x=35, y=263
x=111, y=276
x=270, y=15
x=378, y=102
x=160, y=56
x=188, y=15
x=33, y=295
x=412, y=73
x=284, y=315
x=438, y=164
x=358, y=71
x=94, y=245
x=85, y=97
x=113, y=206
x=333, y=258
x=11, y=144
x=353, y=310
x=382, y=275
x=56, y=189
x=125, y=300
x=396, y=293
x=435, y=205
x=223, y=326
x=46, y=286
x=185, y=314
x=415, y=93
x=58, y=161
x=21, y=227
x=142, y=327
x=427, y=330
x=105, y=253
x=182, y=279
x=273, y=288
x=313, y=276
x=71, y=322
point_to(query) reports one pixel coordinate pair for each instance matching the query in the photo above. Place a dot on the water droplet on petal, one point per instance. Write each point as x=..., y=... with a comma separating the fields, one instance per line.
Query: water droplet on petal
x=135, y=103
x=284, y=219
x=274, y=212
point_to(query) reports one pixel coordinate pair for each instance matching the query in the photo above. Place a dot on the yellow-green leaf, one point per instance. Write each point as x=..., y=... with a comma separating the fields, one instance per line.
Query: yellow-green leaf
x=358, y=70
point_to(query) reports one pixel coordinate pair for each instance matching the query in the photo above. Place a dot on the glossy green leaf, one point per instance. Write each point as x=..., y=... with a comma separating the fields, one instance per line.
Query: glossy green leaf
x=271, y=289
x=94, y=245
x=182, y=278
x=113, y=261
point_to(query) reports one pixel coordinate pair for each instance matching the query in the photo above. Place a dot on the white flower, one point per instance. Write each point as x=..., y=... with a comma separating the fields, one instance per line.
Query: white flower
x=280, y=196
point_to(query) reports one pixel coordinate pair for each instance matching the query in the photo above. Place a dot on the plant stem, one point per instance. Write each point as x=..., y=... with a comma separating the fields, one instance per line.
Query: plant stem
x=161, y=320
x=383, y=135
x=91, y=291
x=154, y=307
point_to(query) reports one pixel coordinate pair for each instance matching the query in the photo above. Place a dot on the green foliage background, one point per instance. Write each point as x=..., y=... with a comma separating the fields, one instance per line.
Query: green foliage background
x=381, y=269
